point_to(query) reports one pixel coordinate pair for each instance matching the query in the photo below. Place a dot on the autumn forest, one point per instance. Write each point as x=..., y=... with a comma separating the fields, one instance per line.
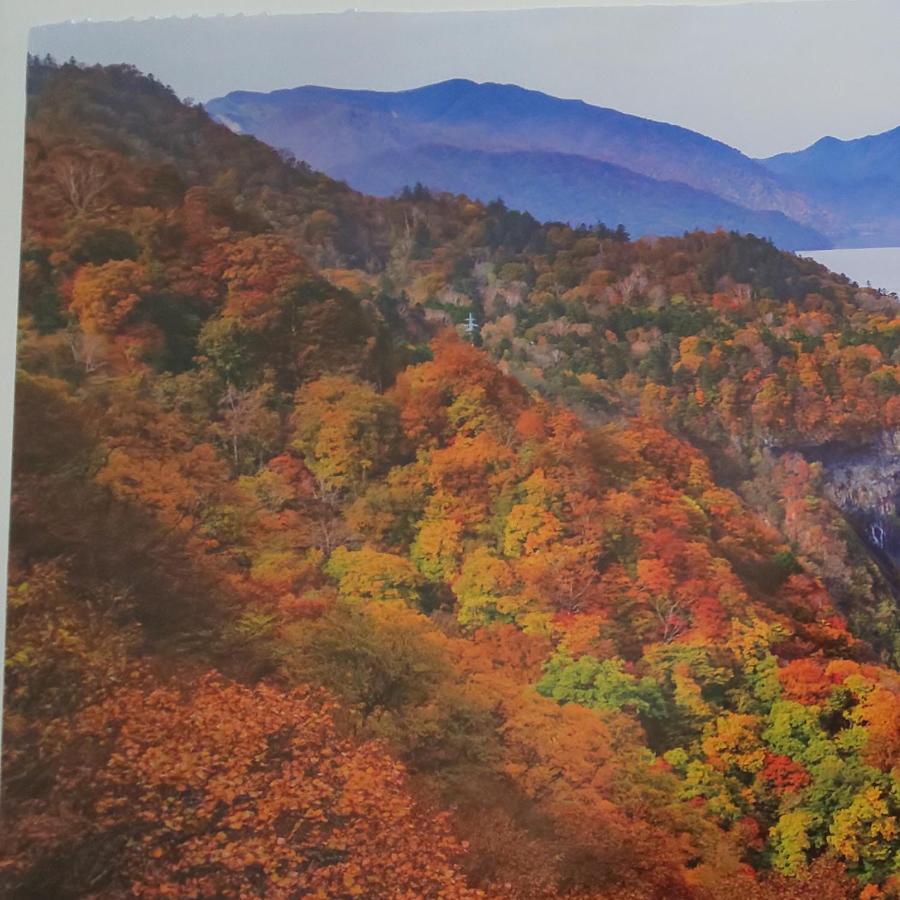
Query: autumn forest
x=315, y=593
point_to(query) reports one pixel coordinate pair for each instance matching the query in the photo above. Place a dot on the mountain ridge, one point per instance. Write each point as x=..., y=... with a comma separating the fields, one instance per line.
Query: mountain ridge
x=857, y=179
x=576, y=189
x=333, y=127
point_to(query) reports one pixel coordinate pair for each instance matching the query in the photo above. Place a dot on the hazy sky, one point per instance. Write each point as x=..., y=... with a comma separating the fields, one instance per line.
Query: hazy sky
x=764, y=77
x=47, y=11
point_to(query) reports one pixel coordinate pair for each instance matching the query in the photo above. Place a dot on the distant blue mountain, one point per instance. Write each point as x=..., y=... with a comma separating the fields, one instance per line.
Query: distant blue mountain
x=857, y=181
x=564, y=187
x=559, y=159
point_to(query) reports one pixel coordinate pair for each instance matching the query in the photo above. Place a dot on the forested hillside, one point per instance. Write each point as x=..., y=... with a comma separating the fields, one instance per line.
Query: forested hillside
x=312, y=596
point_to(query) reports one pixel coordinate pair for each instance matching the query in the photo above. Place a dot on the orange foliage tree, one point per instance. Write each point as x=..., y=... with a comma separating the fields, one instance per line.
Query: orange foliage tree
x=224, y=790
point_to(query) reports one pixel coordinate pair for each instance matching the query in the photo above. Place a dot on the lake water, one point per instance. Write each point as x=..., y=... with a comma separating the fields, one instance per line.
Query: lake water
x=878, y=266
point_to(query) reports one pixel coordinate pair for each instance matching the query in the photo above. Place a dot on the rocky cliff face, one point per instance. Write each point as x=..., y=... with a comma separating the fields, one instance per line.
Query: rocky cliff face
x=837, y=505
x=858, y=554
x=865, y=486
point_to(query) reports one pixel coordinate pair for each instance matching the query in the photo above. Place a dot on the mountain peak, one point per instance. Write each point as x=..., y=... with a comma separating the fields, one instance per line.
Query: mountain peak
x=448, y=84
x=857, y=180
